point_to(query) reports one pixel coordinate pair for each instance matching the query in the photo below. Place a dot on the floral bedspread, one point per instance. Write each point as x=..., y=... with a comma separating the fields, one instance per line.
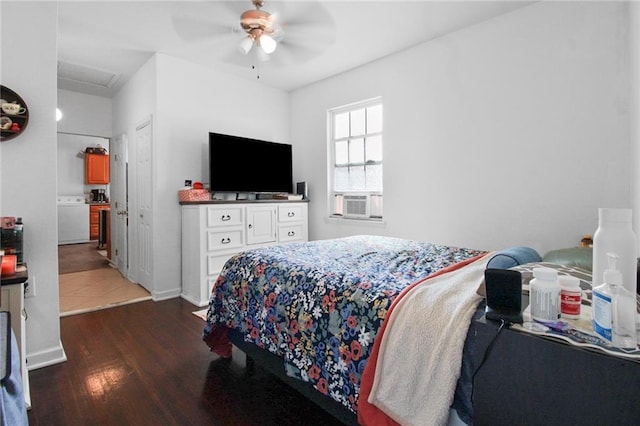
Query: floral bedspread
x=320, y=304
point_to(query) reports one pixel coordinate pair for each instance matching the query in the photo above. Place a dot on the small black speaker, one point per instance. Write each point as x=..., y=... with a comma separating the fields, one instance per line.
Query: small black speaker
x=301, y=188
x=504, y=295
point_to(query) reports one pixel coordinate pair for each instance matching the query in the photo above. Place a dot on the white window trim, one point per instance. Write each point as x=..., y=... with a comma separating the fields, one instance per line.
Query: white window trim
x=331, y=193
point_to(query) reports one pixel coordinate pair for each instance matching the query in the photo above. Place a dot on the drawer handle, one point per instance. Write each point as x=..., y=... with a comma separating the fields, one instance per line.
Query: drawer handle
x=291, y=233
x=225, y=240
x=291, y=214
x=225, y=218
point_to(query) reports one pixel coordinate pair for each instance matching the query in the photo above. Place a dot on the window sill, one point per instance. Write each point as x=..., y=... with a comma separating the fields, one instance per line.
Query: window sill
x=356, y=221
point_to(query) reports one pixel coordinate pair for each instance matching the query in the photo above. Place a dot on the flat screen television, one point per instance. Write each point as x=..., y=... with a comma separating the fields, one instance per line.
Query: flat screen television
x=238, y=164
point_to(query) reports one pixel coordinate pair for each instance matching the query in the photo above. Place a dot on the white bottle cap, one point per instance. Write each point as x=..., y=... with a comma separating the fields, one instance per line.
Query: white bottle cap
x=569, y=282
x=545, y=274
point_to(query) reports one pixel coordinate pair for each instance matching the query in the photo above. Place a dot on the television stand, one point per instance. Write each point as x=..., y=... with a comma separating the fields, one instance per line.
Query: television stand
x=213, y=231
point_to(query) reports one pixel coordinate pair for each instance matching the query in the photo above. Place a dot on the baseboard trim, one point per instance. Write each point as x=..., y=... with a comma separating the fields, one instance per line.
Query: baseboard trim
x=47, y=357
x=165, y=295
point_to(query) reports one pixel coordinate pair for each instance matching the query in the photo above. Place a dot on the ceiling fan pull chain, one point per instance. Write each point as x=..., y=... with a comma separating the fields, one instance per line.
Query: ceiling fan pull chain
x=257, y=71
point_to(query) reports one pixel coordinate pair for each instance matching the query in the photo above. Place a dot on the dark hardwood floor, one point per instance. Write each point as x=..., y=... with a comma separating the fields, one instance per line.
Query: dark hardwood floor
x=80, y=257
x=146, y=364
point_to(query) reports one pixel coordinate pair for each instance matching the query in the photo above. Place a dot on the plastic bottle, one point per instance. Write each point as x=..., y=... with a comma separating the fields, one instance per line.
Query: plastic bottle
x=623, y=311
x=624, y=320
x=615, y=235
x=570, y=296
x=602, y=303
x=545, y=295
x=614, y=309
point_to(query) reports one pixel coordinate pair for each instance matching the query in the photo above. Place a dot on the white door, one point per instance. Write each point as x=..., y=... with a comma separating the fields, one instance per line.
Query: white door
x=144, y=212
x=119, y=201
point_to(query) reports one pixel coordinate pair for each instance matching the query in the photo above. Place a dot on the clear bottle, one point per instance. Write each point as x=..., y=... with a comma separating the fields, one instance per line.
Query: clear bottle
x=624, y=320
x=615, y=235
x=614, y=308
x=545, y=295
x=602, y=304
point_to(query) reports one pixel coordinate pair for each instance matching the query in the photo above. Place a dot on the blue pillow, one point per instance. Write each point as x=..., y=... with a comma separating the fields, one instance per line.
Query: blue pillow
x=514, y=256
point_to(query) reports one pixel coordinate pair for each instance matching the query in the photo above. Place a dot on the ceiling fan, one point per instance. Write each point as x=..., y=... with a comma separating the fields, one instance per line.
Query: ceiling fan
x=261, y=29
x=293, y=32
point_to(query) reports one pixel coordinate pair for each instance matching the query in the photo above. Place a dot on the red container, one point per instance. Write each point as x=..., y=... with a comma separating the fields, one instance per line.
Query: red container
x=9, y=263
x=193, y=195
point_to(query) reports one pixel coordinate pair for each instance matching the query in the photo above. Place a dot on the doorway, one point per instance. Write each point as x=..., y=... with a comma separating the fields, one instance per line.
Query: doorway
x=100, y=287
x=90, y=277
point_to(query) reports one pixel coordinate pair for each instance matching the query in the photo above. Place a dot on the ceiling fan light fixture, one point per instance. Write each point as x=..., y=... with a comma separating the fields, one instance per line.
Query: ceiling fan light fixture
x=246, y=44
x=267, y=43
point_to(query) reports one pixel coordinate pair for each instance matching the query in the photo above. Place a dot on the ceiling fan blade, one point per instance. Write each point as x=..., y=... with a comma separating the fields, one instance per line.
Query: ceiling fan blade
x=289, y=54
x=204, y=21
x=304, y=30
x=305, y=13
x=314, y=36
x=199, y=29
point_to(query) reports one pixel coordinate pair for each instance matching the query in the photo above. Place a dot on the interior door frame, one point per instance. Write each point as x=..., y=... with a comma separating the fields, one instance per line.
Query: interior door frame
x=120, y=201
x=141, y=206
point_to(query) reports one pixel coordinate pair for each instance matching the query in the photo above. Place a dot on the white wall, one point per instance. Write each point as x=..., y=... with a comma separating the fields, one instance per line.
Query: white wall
x=71, y=166
x=84, y=114
x=510, y=132
x=28, y=164
x=86, y=121
x=209, y=101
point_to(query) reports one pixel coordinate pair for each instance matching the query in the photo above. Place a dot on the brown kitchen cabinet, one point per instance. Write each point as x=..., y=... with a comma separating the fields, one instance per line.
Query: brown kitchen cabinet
x=94, y=219
x=96, y=168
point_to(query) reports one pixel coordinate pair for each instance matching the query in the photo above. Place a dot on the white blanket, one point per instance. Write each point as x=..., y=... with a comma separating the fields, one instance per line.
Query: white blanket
x=421, y=349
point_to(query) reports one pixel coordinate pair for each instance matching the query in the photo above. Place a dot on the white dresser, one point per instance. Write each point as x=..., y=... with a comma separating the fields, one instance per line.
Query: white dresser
x=214, y=231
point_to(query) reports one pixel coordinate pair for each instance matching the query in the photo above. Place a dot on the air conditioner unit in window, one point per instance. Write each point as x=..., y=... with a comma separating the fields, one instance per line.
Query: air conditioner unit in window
x=356, y=206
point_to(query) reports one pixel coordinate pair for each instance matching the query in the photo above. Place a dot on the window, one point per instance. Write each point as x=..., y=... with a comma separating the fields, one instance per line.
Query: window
x=355, y=138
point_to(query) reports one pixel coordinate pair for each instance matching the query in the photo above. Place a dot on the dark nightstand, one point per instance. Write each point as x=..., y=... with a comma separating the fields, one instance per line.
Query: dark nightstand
x=532, y=380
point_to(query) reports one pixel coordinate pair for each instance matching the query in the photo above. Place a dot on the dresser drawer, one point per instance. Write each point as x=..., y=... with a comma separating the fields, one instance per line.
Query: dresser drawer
x=293, y=232
x=290, y=213
x=214, y=266
x=224, y=240
x=226, y=216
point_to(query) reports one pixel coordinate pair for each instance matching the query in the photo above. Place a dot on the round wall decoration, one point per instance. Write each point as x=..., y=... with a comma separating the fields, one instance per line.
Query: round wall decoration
x=14, y=114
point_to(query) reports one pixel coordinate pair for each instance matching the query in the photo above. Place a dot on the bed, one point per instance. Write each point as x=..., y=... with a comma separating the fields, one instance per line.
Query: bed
x=372, y=328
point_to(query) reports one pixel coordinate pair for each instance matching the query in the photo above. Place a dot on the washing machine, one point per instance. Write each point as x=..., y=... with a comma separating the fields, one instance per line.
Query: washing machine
x=73, y=219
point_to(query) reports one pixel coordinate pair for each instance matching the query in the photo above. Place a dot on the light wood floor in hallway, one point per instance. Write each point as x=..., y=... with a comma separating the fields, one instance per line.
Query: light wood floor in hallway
x=96, y=289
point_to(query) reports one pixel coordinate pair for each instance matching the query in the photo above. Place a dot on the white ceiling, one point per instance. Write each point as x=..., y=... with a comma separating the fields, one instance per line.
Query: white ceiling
x=120, y=36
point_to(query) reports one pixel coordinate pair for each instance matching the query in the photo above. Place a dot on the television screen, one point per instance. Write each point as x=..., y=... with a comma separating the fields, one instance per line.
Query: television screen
x=238, y=164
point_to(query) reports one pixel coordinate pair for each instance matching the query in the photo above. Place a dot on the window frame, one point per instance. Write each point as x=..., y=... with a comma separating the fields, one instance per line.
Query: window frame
x=336, y=197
